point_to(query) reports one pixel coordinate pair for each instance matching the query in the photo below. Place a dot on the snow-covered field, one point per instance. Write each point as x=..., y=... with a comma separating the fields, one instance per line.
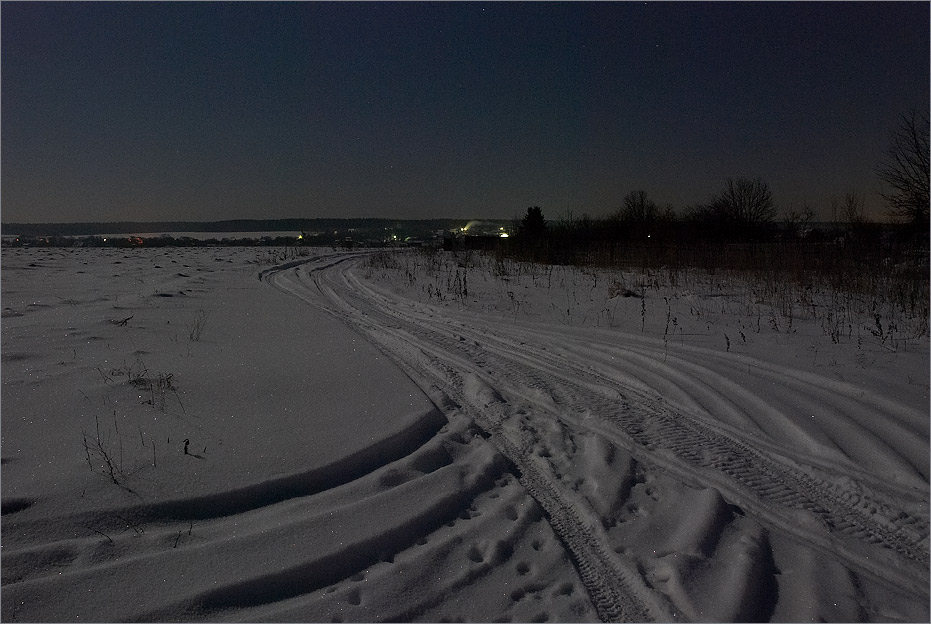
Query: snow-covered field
x=252, y=434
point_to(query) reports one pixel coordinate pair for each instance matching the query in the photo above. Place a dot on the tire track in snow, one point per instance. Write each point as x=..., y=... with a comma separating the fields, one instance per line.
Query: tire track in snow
x=617, y=593
x=655, y=426
x=435, y=497
x=607, y=585
x=710, y=383
x=682, y=426
x=435, y=350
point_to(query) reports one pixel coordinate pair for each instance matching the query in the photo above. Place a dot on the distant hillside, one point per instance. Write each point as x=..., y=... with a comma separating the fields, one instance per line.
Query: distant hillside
x=412, y=226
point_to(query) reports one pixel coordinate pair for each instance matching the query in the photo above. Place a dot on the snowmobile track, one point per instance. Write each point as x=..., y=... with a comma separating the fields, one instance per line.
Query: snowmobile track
x=438, y=352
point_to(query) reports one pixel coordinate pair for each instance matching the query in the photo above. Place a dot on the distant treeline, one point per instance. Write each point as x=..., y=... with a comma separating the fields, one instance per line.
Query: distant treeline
x=607, y=242
x=122, y=240
x=719, y=237
x=232, y=225
x=742, y=214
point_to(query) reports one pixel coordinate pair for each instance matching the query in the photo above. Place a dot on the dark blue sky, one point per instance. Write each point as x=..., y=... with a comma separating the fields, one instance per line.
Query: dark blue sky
x=205, y=111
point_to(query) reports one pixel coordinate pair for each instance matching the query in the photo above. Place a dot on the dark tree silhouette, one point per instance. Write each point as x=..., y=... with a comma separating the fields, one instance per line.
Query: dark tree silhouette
x=533, y=225
x=853, y=208
x=639, y=207
x=905, y=170
x=746, y=202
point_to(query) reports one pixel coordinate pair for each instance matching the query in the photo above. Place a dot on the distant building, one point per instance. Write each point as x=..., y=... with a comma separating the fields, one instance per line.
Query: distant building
x=478, y=242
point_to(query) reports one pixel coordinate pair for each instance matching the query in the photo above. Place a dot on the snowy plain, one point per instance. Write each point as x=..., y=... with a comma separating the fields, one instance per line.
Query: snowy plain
x=320, y=435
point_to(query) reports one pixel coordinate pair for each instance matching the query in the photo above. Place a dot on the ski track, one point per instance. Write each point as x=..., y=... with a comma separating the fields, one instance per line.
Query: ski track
x=547, y=444
x=499, y=373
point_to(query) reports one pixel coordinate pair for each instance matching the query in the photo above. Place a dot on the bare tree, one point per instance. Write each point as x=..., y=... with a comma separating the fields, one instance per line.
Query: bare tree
x=639, y=207
x=905, y=170
x=798, y=223
x=745, y=201
x=852, y=208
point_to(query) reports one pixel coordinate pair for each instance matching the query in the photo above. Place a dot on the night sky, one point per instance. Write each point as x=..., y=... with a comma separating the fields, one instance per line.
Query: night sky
x=209, y=111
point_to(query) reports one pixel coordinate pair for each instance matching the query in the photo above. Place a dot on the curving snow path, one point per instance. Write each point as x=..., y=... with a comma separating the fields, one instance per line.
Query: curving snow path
x=679, y=489
x=531, y=472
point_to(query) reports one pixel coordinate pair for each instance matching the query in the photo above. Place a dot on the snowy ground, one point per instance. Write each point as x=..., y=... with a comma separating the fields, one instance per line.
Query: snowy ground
x=444, y=438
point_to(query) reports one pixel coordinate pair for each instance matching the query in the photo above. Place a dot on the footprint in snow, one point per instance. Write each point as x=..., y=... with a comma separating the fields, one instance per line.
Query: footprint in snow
x=475, y=555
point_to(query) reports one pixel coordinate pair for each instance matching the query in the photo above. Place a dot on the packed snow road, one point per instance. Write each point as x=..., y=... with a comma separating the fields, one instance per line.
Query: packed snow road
x=678, y=492
x=359, y=436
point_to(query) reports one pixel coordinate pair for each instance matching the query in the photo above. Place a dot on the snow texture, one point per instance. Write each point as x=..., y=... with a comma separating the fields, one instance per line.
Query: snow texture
x=232, y=434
